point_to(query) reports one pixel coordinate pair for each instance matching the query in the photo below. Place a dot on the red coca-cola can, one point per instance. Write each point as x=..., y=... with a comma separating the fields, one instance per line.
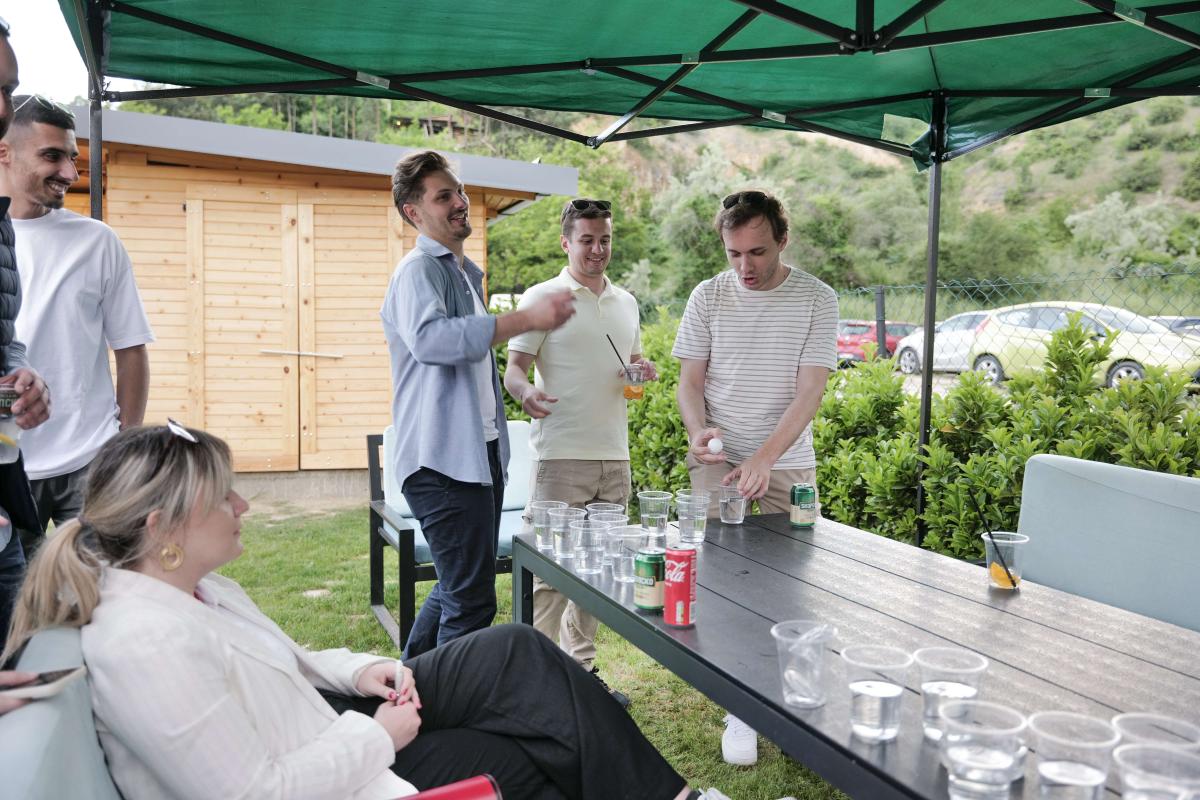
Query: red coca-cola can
x=679, y=587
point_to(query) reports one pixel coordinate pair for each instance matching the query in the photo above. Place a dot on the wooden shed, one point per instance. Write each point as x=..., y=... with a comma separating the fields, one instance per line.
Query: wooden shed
x=262, y=258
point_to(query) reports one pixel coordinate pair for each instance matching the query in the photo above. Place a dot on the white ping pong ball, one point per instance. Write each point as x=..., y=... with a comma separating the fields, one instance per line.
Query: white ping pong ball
x=715, y=446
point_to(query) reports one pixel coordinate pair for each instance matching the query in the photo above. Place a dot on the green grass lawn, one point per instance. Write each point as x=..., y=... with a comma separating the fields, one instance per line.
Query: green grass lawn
x=309, y=574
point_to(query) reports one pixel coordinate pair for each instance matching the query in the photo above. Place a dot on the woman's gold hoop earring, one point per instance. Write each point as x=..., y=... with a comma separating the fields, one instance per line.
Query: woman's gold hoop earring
x=170, y=557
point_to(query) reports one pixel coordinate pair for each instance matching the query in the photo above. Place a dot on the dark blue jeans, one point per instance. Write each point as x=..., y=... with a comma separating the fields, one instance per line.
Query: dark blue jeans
x=461, y=522
x=12, y=572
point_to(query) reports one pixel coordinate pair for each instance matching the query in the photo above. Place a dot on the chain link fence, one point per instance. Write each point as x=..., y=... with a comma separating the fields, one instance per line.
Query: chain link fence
x=1003, y=326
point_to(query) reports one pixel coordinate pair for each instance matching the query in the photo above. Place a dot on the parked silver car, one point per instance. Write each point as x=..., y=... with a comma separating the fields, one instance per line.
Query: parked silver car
x=951, y=344
x=1186, y=326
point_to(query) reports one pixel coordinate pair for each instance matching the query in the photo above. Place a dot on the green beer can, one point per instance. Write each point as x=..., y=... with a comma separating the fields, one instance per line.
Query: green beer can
x=649, y=572
x=804, y=505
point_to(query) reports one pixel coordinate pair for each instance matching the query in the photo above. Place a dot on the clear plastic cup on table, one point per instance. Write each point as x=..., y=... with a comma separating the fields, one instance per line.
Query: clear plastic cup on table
x=613, y=520
x=876, y=675
x=980, y=748
x=1157, y=772
x=589, y=538
x=947, y=673
x=605, y=508
x=733, y=505
x=1145, y=728
x=801, y=644
x=624, y=544
x=565, y=543
x=691, y=512
x=1073, y=754
x=539, y=510
x=655, y=508
x=1005, y=552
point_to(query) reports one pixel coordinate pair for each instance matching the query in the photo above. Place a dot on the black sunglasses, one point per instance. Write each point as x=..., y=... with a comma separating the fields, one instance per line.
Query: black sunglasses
x=751, y=198
x=588, y=205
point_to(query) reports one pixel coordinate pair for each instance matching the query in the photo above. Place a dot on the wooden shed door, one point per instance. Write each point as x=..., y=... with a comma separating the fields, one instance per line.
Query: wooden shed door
x=242, y=362
x=350, y=241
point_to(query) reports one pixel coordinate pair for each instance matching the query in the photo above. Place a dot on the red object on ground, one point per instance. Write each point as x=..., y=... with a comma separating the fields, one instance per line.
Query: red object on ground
x=679, y=587
x=481, y=787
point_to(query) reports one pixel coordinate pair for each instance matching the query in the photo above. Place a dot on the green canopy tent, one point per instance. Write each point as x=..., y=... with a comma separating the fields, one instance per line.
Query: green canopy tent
x=972, y=71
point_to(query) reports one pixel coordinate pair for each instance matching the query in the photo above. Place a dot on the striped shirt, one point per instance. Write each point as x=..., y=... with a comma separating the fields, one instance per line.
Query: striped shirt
x=754, y=342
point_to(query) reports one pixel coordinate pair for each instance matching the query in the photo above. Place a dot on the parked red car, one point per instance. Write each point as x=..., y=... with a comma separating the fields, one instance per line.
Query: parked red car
x=854, y=333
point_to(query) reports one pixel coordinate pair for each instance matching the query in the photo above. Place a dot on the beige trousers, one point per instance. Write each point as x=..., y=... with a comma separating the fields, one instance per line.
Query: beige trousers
x=576, y=483
x=705, y=477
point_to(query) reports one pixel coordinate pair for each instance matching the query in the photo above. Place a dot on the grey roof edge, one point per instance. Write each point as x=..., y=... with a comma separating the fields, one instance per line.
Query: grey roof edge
x=238, y=141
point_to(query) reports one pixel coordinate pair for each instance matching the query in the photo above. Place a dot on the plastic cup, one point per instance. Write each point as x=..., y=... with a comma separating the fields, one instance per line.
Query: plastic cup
x=589, y=545
x=691, y=510
x=655, y=508
x=876, y=674
x=1073, y=752
x=1004, y=549
x=1155, y=772
x=624, y=544
x=733, y=505
x=980, y=748
x=801, y=644
x=947, y=673
x=1146, y=728
x=604, y=508
x=613, y=520
x=565, y=543
x=634, y=382
x=540, y=511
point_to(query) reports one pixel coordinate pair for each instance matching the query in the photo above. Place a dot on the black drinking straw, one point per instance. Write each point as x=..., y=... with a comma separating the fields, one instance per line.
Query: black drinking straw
x=988, y=533
x=628, y=374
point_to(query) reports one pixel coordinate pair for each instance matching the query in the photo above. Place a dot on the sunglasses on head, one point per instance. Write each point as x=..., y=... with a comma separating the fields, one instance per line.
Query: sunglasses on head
x=750, y=198
x=44, y=102
x=588, y=205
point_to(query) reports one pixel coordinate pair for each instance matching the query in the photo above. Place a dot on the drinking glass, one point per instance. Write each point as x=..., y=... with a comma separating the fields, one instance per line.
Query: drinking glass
x=613, y=520
x=624, y=544
x=876, y=674
x=801, y=644
x=589, y=541
x=979, y=748
x=1146, y=728
x=947, y=673
x=733, y=505
x=564, y=540
x=691, y=509
x=655, y=507
x=1004, y=549
x=604, y=508
x=540, y=511
x=634, y=380
x=1157, y=772
x=1073, y=751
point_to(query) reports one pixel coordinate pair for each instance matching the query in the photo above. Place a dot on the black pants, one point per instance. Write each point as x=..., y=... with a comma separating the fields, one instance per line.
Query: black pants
x=12, y=573
x=59, y=499
x=508, y=702
x=461, y=522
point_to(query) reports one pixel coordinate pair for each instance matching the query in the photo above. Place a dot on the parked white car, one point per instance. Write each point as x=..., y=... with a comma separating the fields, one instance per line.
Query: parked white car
x=951, y=344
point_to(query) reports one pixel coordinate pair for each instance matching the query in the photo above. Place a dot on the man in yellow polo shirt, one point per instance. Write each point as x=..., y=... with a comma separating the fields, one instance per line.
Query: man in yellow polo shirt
x=580, y=431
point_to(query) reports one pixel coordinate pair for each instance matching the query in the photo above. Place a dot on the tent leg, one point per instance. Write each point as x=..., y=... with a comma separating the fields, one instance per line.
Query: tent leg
x=935, y=215
x=95, y=33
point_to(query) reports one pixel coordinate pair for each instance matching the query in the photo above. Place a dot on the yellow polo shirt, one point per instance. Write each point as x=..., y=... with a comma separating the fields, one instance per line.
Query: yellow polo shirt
x=576, y=364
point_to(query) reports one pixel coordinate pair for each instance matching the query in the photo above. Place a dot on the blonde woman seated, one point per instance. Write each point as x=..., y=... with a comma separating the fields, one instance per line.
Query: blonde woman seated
x=197, y=694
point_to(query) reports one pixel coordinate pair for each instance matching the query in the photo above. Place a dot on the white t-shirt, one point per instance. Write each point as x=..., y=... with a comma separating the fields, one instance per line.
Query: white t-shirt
x=755, y=341
x=576, y=364
x=483, y=375
x=80, y=299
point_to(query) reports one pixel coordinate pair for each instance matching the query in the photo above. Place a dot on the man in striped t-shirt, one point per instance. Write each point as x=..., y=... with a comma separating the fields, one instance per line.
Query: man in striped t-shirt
x=756, y=345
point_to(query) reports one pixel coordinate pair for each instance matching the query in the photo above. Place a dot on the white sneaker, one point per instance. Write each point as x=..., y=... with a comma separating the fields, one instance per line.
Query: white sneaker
x=713, y=794
x=739, y=743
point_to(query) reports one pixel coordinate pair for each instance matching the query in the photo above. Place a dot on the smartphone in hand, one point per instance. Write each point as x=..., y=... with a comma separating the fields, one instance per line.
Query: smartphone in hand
x=45, y=684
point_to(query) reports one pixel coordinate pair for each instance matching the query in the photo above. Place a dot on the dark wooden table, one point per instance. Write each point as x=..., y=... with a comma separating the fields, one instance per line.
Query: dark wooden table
x=1049, y=650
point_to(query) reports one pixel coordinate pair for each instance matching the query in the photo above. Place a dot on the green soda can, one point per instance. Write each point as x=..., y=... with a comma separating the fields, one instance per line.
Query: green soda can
x=804, y=505
x=649, y=572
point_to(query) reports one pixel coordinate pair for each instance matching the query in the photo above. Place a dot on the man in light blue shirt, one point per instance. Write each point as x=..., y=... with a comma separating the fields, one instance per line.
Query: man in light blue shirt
x=451, y=434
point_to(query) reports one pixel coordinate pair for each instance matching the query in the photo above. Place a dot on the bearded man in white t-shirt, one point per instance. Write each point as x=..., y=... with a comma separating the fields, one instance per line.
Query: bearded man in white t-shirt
x=80, y=300
x=756, y=345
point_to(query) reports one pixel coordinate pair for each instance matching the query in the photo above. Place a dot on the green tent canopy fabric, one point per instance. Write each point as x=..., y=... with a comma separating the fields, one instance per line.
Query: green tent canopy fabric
x=858, y=69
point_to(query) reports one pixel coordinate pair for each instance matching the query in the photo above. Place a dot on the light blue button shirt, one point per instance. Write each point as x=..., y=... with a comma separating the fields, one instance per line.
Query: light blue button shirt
x=435, y=338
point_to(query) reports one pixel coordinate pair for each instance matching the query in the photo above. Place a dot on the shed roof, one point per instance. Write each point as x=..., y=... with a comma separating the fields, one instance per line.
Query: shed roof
x=285, y=147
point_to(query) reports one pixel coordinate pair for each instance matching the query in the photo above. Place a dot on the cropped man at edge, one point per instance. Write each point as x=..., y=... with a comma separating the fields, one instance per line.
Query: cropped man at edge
x=451, y=434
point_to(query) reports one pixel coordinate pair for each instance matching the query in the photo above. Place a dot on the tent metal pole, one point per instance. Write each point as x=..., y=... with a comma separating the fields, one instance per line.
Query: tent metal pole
x=1140, y=18
x=94, y=33
x=773, y=8
x=885, y=35
x=931, y=270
